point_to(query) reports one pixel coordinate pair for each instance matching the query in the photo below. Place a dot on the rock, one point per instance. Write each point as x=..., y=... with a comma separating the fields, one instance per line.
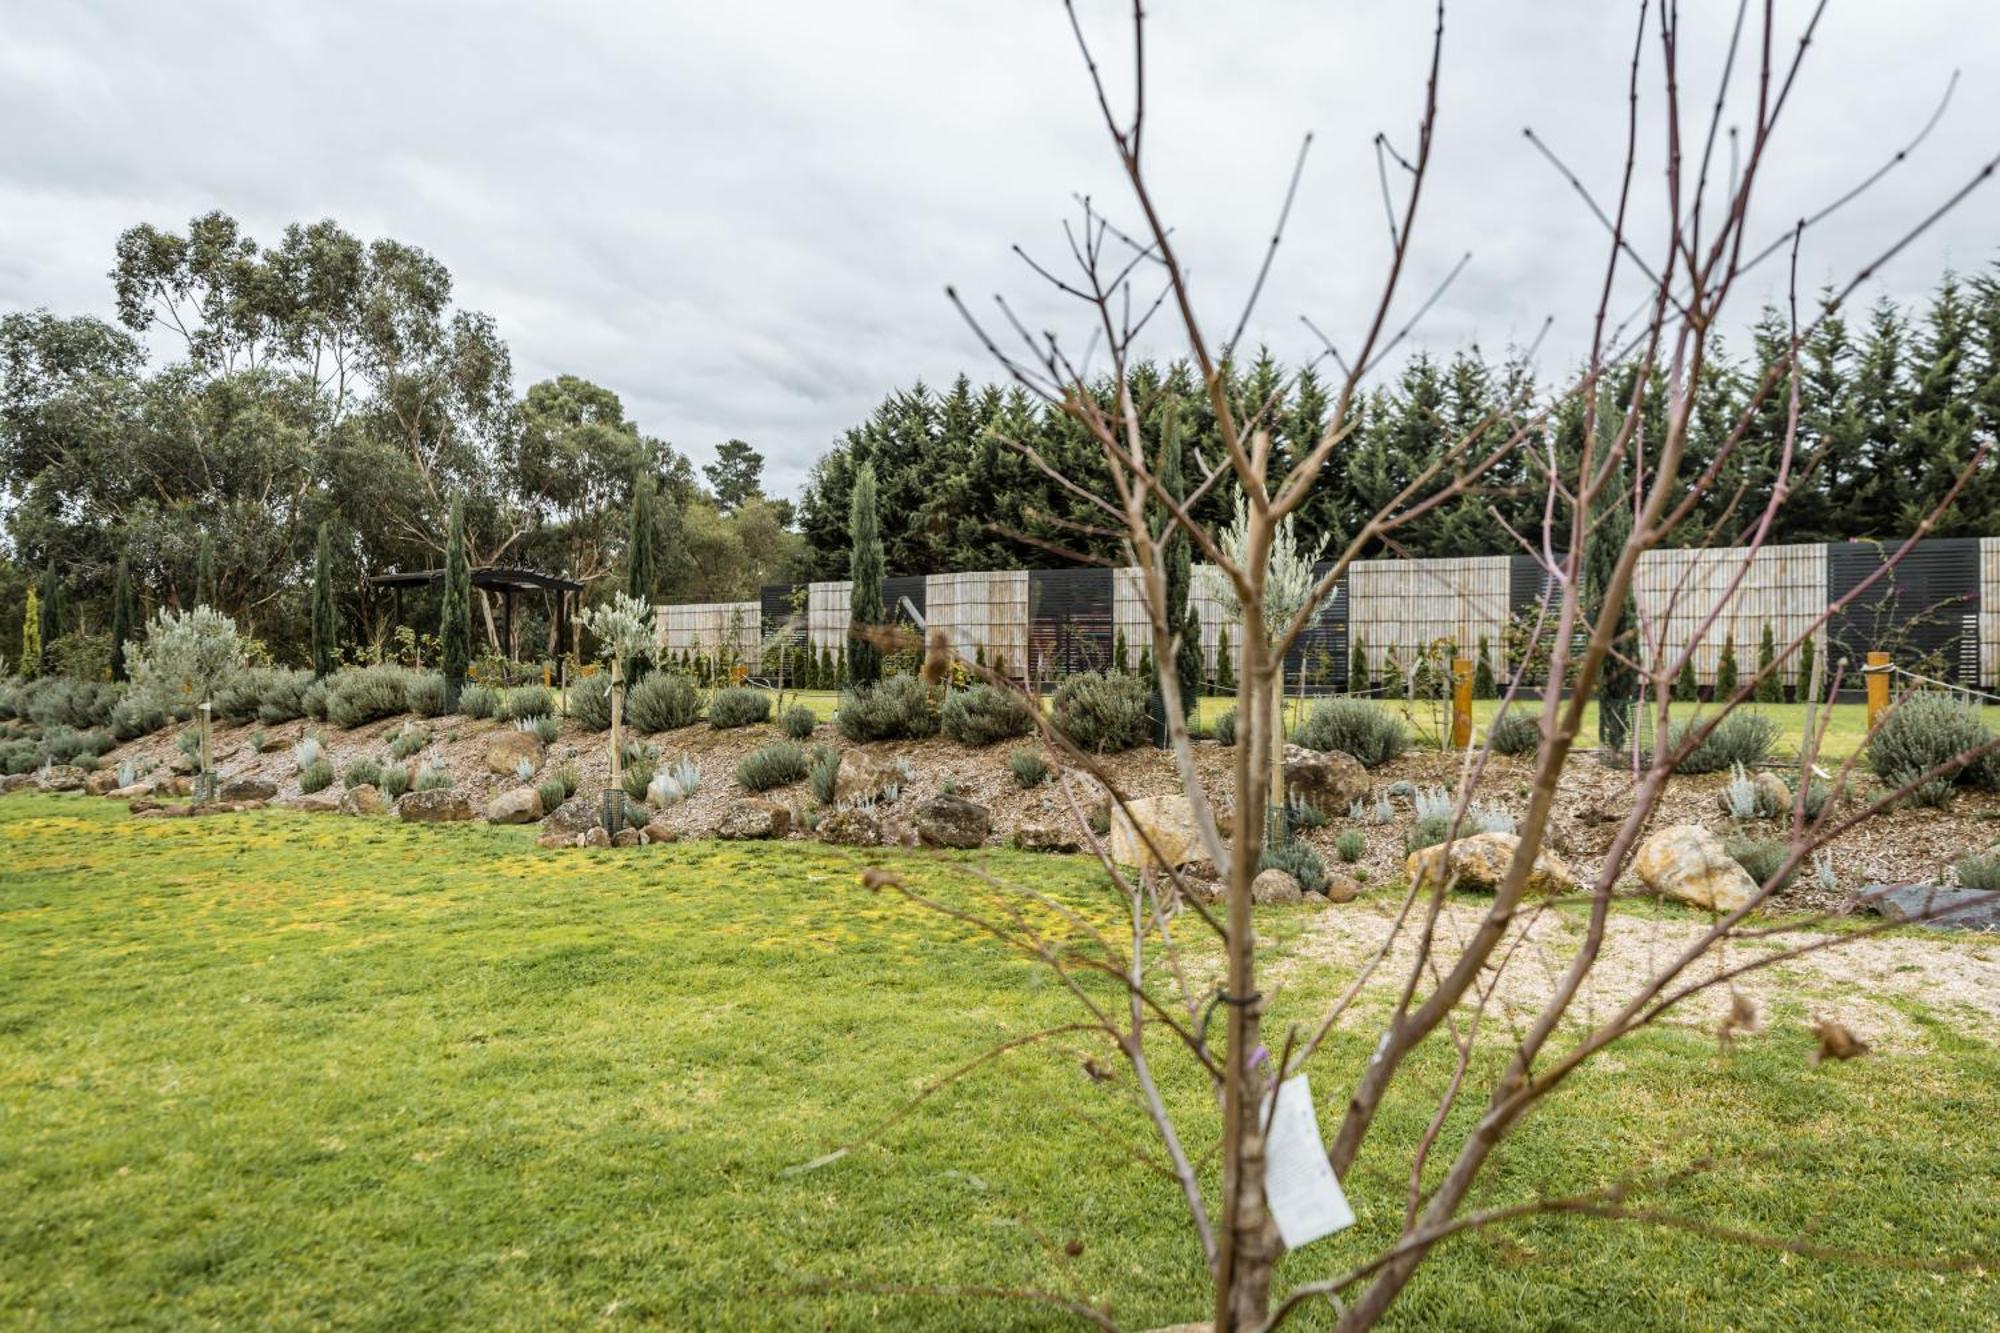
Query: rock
x=1057, y=833
x=1480, y=862
x=1274, y=886
x=439, y=805
x=1688, y=864
x=182, y=765
x=594, y=836
x=851, y=826
x=952, y=821
x=1342, y=887
x=153, y=810
x=313, y=805
x=860, y=776
x=1167, y=821
x=14, y=782
x=131, y=793
x=363, y=800
x=1329, y=779
x=1772, y=793
x=100, y=782
x=247, y=789
x=179, y=786
x=749, y=819
x=522, y=805
x=626, y=837
x=656, y=833
x=556, y=840
x=271, y=744
x=576, y=815
x=506, y=749
x=61, y=777
x=1935, y=906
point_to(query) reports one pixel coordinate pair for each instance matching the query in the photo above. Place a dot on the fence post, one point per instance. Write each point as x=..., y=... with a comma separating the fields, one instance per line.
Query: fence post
x=1877, y=675
x=1461, y=702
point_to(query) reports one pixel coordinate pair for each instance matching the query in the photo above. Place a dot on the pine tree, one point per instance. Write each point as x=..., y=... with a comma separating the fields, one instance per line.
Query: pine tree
x=1807, y=652
x=1225, y=663
x=204, y=572
x=1940, y=441
x=1770, y=689
x=325, y=648
x=455, y=617
x=51, y=617
x=1725, y=668
x=1121, y=655
x=31, y=637
x=640, y=578
x=1881, y=401
x=865, y=608
x=121, y=617
x=1483, y=685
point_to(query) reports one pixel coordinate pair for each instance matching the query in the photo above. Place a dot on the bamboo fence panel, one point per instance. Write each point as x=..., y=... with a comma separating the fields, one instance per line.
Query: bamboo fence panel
x=1128, y=613
x=1782, y=586
x=983, y=614
x=826, y=616
x=732, y=630
x=1989, y=610
x=1407, y=605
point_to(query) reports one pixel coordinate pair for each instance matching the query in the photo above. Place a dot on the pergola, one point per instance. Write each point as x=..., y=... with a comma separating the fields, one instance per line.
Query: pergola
x=507, y=582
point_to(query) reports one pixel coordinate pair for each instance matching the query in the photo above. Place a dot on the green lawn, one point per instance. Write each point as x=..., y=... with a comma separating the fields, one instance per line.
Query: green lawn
x=287, y=1070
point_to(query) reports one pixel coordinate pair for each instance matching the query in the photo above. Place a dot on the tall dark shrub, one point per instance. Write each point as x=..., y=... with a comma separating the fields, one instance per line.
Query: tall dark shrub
x=641, y=578
x=121, y=617
x=50, y=622
x=455, y=621
x=322, y=607
x=204, y=572
x=864, y=659
x=1180, y=570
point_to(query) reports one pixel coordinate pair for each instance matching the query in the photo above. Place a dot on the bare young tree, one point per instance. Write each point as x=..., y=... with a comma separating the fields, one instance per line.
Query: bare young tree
x=1444, y=985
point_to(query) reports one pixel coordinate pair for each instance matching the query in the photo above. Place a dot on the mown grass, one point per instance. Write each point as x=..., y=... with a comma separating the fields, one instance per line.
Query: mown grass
x=283, y=1070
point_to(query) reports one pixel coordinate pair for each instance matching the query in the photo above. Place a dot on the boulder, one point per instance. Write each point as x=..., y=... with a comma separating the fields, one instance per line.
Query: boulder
x=506, y=749
x=247, y=789
x=1342, y=887
x=1166, y=822
x=131, y=793
x=1688, y=864
x=61, y=777
x=750, y=819
x=14, y=782
x=657, y=832
x=1772, y=793
x=182, y=765
x=860, y=776
x=851, y=826
x=952, y=821
x=1329, y=779
x=556, y=840
x=594, y=836
x=522, y=805
x=1480, y=862
x=574, y=816
x=1048, y=833
x=101, y=782
x=313, y=805
x=363, y=800
x=439, y=805
x=271, y=744
x=154, y=810
x=1935, y=906
x=626, y=837
x=1274, y=886
x=182, y=785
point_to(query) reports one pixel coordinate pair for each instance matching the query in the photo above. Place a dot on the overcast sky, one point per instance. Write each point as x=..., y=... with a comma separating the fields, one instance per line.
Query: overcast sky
x=741, y=216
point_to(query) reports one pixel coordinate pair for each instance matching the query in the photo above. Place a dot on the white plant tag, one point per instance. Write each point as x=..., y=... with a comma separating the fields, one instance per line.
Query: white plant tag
x=1299, y=1185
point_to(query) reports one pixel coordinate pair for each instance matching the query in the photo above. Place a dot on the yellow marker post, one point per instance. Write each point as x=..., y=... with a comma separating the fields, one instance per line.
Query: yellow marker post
x=1877, y=674
x=1461, y=702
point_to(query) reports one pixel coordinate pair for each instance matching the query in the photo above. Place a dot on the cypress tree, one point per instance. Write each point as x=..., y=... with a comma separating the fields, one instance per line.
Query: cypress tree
x=1121, y=655
x=455, y=619
x=864, y=531
x=121, y=617
x=1618, y=679
x=1225, y=663
x=323, y=646
x=31, y=637
x=1725, y=668
x=1357, y=667
x=1804, y=691
x=1483, y=686
x=1770, y=689
x=1687, y=689
x=204, y=571
x=49, y=624
x=641, y=579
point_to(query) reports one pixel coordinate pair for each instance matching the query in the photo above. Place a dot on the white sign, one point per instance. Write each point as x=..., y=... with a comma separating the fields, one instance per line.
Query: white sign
x=1299, y=1185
